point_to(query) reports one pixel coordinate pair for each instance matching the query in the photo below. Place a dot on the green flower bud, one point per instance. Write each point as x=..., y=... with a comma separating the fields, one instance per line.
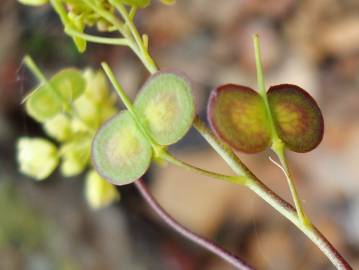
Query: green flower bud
x=87, y=110
x=96, y=85
x=99, y=193
x=75, y=155
x=37, y=157
x=33, y=2
x=59, y=127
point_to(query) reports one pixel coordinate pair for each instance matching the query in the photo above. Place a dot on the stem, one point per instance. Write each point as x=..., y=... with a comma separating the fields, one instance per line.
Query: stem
x=203, y=242
x=144, y=55
x=272, y=198
x=232, y=179
x=158, y=149
x=97, y=39
x=137, y=45
x=277, y=144
x=280, y=152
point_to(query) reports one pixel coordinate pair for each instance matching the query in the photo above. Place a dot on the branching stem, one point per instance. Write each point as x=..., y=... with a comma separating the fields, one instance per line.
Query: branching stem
x=140, y=47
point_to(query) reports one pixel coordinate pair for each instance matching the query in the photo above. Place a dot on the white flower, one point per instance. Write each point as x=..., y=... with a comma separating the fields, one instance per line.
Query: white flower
x=37, y=157
x=99, y=193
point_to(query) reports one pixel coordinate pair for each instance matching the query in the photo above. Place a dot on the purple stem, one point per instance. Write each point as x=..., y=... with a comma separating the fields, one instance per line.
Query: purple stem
x=203, y=242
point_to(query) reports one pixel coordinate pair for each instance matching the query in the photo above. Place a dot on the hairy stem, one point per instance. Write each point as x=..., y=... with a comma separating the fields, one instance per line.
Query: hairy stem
x=203, y=242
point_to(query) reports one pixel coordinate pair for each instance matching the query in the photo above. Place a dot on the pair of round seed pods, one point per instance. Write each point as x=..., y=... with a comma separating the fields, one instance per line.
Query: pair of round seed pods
x=238, y=115
x=162, y=114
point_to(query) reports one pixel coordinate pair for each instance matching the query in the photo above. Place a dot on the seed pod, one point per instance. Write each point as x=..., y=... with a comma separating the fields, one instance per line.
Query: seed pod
x=165, y=104
x=297, y=117
x=120, y=152
x=45, y=102
x=237, y=115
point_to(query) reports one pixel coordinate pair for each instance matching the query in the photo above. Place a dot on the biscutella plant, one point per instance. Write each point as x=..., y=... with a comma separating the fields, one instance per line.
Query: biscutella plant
x=81, y=117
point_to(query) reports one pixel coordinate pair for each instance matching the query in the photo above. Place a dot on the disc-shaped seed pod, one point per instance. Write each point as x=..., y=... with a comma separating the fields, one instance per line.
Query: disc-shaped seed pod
x=165, y=107
x=297, y=117
x=120, y=151
x=48, y=100
x=237, y=115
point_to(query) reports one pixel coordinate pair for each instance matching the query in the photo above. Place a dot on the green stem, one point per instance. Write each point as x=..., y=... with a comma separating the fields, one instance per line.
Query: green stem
x=144, y=56
x=158, y=149
x=232, y=179
x=279, y=150
x=277, y=144
x=97, y=39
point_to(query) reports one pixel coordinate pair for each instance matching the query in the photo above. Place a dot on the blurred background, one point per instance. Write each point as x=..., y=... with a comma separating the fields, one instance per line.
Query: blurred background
x=314, y=44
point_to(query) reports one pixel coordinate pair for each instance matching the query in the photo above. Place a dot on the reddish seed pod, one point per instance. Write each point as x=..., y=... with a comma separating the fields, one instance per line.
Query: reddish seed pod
x=297, y=117
x=237, y=115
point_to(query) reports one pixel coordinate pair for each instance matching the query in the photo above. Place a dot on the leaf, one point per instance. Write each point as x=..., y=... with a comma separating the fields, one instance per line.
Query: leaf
x=166, y=107
x=237, y=115
x=49, y=99
x=298, y=119
x=120, y=152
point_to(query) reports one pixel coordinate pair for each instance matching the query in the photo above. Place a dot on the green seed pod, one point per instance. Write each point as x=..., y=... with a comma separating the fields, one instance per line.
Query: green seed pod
x=120, y=152
x=166, y=107
x=45, y=102
x=237, y=115
x=297, y=117
x=69, y=83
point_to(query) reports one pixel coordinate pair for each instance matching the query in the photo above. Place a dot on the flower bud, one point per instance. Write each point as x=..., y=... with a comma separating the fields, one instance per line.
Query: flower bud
x=58, y=127
x=99, y=193
x=37, y=157
x=75, y=156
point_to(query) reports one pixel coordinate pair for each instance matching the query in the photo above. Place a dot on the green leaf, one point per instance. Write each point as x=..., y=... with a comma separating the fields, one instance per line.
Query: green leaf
x=49, y=99
x=137, y=3
x=120, y=152
x=237, y=115
x=166, y=107
x=297, y=117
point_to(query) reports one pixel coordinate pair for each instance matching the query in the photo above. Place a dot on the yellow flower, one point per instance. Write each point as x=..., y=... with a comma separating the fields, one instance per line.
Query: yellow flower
x=99, y=193
x=37, y=157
